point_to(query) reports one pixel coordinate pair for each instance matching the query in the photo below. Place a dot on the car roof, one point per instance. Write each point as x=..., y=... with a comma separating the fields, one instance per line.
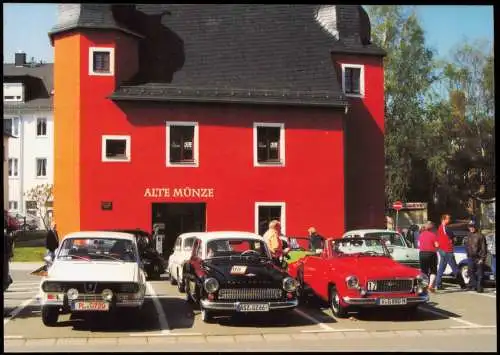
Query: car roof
x=190, y=235
x=100, y=234
x=364, y=231
x=208, y=236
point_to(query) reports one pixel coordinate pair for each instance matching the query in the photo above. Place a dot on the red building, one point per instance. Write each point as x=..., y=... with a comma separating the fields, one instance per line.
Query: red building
x=217, y=117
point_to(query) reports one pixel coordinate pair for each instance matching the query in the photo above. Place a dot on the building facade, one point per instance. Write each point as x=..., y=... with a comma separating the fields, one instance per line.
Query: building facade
x=28, y=115
x=223, y=125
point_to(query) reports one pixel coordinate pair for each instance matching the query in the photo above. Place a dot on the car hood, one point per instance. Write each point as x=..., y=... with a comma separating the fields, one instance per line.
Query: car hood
x=369, y=267
x=93, y=270
x=265, y=272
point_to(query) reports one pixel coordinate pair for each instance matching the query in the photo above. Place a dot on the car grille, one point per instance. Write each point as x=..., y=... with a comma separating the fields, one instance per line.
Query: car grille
x=97, y=287
x=392, y=285
x=250, y=294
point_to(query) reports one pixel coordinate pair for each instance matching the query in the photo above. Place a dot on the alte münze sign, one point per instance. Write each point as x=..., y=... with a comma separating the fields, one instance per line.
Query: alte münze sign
x=179, y=192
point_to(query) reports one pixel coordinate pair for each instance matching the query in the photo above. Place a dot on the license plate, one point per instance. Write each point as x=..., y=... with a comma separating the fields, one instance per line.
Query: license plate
x=492, y=277
x=253, y=307
x=392, y=301
x=238, y=270
x=90, y=306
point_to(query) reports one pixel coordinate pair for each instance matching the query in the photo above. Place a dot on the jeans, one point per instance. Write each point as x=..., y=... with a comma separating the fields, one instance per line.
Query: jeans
x=494, y=264
x=476, y=273
x=447, y=259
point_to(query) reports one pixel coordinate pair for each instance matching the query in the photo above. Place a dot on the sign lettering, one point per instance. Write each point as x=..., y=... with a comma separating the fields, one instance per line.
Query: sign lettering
x=179, y=192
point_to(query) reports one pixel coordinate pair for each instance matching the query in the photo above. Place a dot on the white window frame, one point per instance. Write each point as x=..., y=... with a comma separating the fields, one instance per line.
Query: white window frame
x=11, y=202
x=46, y=167
x=15, y=128
x=361, y=79
x=281, y=126
x=15, y=97
x=128, y=141
x=275, y=204
x=46, y=127
x=111, y=52
x=196, y=143
x=8, y=163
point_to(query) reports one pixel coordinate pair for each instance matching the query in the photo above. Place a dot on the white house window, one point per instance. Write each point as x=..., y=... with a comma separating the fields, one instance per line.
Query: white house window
x=269, y=144
x=12, y=125
x=265, y=212
x=353, y=79
x=101, y=61
x=13, y=205
x=41, y=167
x=13, y=165
x=182, y=144
x=13, y=92
x=115, y=149
x=41, y=127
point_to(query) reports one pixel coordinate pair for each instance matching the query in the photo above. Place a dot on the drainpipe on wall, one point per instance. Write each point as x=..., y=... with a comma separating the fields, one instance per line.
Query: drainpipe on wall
x=21, y=163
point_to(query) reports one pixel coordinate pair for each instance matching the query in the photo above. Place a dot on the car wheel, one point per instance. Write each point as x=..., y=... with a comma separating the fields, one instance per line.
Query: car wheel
x=180, y=285
x=206, y=315
x=172, y=280
x=338, y=310
x=50, y=315
x=464, y=271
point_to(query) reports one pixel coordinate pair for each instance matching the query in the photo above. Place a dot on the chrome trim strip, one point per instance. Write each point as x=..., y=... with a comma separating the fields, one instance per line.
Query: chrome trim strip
x=373, y=301
x=231, y=306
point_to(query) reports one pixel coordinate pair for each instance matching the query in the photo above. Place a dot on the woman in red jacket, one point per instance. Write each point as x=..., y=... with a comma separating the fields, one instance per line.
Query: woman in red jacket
x=428, y=245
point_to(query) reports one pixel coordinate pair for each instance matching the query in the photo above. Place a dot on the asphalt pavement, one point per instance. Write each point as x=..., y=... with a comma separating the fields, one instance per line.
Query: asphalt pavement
x=167, y=319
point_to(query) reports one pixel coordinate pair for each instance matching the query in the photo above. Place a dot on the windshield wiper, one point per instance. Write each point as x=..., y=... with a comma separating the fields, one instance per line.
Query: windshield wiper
x=108, y=256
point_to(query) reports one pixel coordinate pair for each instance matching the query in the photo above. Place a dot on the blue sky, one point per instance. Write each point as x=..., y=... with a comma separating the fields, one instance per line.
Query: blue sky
x=25, y=27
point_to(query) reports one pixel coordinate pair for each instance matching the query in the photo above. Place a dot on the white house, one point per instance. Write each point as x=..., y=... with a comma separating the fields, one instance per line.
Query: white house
x=28, y=107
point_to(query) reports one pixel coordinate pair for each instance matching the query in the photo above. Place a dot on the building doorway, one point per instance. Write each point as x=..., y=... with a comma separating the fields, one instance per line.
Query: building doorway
x=177, y=218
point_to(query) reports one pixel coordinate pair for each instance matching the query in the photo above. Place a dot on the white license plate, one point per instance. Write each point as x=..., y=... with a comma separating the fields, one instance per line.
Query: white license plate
x=392, y=301
x=90, y=306
x=253, y=307
x=492, y=277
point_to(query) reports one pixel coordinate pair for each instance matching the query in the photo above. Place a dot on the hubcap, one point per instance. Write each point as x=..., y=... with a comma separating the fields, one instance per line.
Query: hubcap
x=465, y=274
x=335, y=302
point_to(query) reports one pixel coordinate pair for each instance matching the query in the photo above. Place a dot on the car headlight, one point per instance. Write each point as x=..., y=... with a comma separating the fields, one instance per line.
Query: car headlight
x=211, y=285
x=107, y=294
x=352, y=282
x=423, y=280
x=289, y=284
x=72, y=294
x=49, y=286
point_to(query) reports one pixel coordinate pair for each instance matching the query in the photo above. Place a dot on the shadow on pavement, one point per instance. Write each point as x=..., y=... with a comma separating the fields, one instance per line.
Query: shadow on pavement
x=178, y=312
x=402, y=315
x=31, y=311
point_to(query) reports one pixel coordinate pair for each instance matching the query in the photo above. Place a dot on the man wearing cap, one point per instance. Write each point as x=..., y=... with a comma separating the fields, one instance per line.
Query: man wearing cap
x=477, y=251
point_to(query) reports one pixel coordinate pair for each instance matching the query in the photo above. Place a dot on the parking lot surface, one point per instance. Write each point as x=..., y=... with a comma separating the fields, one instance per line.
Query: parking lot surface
x=166, y=314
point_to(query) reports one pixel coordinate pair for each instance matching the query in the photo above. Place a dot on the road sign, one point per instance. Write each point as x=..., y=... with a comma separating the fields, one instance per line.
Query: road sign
x=397, y=205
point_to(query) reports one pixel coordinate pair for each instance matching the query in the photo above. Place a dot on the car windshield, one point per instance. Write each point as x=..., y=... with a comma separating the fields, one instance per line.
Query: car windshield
x=222, y=248
x=390, y=238
x=359, y=246
x=188, y=244
x=111, y=249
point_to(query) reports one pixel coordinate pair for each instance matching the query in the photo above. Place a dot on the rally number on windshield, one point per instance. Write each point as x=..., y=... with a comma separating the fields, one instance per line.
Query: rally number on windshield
x=238, y=270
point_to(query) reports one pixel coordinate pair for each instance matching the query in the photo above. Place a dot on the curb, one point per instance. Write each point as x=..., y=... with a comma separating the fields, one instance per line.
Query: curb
x=248, y=338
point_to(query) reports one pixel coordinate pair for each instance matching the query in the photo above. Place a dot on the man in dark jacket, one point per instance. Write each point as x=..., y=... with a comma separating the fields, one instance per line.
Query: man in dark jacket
x=52, y=241
x=315, y=240
x=477, y=251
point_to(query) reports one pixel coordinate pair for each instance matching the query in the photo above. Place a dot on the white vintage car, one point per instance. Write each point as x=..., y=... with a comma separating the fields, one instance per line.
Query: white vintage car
x=400, y=249
x=93, y=272
x=182, y=252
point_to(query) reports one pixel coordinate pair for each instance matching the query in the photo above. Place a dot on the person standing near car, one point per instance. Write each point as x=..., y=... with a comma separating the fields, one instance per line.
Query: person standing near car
x=273, y=241
x=446, y=254
x=52, y=241
x=428, y=245
x=316, y=241
x=477, y=250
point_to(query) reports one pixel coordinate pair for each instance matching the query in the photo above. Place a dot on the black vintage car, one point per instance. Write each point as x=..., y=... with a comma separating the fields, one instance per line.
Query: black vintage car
x=154, y=264
x=232, y=272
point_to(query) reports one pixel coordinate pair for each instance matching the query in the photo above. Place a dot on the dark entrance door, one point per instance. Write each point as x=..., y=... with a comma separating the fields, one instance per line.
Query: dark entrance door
x=178, y=218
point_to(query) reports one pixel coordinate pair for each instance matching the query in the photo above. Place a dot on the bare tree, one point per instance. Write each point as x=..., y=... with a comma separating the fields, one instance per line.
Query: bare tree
x=42, y=195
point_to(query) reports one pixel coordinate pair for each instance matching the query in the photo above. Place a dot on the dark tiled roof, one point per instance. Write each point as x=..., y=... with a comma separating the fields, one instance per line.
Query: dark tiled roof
x=39, y=84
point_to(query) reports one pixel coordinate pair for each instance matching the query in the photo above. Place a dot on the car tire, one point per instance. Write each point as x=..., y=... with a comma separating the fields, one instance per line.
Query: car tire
x=464, y=271
x=50, y=315
x=180, y=285
x=172, y=280
x=207, y=316
x=338, y=310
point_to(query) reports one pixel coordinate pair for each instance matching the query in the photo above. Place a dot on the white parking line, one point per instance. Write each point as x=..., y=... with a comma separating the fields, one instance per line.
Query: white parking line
x=312, y=319
x=13, y=337
x=165, y=329
x=334, y=330
x=467, y=323
x=16, y=311
x=468, y=327
x=162, y=334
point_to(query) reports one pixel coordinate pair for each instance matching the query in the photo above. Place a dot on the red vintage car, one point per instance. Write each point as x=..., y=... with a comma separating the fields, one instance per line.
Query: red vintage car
x=351, y=274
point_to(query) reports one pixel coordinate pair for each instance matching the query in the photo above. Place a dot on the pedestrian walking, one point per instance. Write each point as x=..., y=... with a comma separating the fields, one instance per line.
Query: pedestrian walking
x=477, y=250
x=316, y=241
x=273, y=241
x=447, y=257
x=7, y=254
x=428, y=245
x=490, y=241
x=52, y=241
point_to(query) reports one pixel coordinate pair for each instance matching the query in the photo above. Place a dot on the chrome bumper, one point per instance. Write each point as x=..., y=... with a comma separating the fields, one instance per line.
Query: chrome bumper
x=232, y=306
x=373, y=301
x=60, y=301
